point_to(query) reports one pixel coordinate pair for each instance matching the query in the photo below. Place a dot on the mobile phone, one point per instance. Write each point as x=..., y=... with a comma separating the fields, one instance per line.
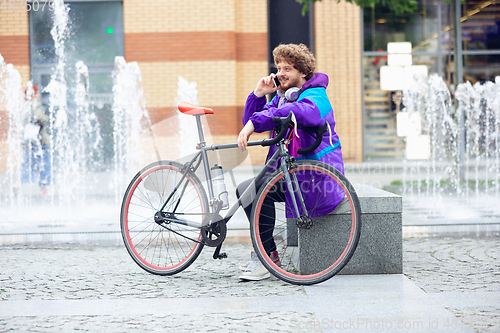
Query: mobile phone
x=277, y=82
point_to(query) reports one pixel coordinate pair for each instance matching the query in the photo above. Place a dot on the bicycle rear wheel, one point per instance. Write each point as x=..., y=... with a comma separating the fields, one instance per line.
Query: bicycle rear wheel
x=169, y=248
x=303, y=258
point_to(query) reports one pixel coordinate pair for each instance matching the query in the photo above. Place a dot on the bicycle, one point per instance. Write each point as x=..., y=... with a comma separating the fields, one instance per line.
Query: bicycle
x=167, y=218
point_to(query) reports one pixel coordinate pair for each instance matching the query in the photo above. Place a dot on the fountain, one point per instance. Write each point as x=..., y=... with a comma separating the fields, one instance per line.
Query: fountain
x=61, y=152
x=89, y=147
x=431, y=101
x=481, y=106
x=11, y=98
x=130, y=120
x=187, y=92
x=452, y=186
x=84, y=196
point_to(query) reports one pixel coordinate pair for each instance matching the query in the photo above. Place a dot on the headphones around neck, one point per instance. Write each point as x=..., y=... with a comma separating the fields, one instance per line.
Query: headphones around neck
x=291, y=94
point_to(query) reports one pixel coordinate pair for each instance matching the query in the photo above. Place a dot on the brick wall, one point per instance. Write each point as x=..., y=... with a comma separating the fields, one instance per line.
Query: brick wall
x=222, y=45
x=14, y=48
x=219, y=44
x=338, y=52
x=14, y=40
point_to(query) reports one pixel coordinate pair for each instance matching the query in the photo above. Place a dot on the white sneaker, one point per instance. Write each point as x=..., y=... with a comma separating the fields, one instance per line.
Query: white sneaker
x=253, y=256
x=255, y=271
x=257, y=274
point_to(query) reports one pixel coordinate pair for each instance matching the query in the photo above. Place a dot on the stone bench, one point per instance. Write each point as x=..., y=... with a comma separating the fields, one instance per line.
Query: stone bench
x=380, y=247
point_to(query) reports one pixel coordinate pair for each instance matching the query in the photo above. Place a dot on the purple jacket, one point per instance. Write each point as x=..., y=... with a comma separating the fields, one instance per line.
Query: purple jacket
x=311, y=109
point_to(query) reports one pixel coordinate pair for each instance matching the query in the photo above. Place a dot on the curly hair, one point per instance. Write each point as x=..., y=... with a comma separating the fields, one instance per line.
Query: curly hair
x=298, y=56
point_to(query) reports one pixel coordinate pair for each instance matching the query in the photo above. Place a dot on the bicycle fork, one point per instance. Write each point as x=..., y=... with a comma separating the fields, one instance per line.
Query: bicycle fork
x=292, y=183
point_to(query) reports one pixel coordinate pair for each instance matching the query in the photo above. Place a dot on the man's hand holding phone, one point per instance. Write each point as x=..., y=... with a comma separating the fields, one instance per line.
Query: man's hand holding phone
x=267, y=85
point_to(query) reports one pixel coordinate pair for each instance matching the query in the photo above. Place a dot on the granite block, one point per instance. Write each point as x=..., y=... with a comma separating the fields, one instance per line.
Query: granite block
x=380, y=247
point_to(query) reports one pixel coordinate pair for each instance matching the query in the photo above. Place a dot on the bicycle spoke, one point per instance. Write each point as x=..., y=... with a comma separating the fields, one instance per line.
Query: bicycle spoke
x=271, y=211
x=169, y=248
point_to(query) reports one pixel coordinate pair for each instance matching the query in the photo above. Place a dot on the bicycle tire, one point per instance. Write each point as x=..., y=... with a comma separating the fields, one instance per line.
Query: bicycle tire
x=291, y=250
x=154, y=248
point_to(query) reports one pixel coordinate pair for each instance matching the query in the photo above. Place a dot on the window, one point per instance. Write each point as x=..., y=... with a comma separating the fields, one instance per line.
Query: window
x=428, y=29
x=95, y=36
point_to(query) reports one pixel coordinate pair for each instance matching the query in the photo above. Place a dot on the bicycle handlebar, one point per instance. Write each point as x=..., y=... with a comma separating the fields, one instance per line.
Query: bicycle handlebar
x=285, y=122
x=319, y=137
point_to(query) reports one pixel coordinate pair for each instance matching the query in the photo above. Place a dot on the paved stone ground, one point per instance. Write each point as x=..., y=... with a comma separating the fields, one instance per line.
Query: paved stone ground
x=78, y=272
x=75, y=272
x=172, y=323
x=440, y=265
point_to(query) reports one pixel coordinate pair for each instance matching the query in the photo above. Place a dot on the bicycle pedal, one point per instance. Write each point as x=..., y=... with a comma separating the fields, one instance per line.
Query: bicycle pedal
x=221, y=256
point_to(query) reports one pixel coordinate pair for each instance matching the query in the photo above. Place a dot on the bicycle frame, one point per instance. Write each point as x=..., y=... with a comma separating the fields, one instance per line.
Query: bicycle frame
x=169, y=215
x=292, y=183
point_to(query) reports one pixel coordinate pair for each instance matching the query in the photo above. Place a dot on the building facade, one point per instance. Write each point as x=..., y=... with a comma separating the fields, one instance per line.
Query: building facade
x=225, y=45
x=432, y=31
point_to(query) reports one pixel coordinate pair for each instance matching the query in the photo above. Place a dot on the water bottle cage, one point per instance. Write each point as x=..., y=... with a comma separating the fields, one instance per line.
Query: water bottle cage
x=220, y=194
x=218, y=203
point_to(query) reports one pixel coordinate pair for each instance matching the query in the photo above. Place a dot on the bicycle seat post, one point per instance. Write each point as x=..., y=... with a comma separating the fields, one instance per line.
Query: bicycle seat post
x=204, y=155
x=200, y=131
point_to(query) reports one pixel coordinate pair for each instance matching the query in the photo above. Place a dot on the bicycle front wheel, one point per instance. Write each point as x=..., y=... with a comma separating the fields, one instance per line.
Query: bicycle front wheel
x=306, y=255
x=167, y=248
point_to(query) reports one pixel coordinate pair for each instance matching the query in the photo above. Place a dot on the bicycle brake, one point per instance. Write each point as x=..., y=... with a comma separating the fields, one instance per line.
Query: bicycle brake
x=187, y=165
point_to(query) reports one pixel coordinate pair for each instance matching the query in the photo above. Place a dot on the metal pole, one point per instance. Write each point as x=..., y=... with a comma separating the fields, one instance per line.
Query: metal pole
x=459, y=77
x=362, y=28
x=311, y=27
x=440, y=42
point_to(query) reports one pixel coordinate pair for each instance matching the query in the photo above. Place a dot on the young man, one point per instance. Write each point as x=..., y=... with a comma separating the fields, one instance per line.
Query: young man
x=302, y=91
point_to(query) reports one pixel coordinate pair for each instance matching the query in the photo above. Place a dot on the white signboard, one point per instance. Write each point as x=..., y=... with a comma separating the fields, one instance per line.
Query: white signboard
x=418, y=147
x=408, y=123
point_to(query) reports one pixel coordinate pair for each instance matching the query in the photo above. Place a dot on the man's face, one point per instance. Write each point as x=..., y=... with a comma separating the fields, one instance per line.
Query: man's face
x=289, y=76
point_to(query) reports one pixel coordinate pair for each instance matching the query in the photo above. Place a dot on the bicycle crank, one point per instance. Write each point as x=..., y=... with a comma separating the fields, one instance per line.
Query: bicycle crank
x=214, y=233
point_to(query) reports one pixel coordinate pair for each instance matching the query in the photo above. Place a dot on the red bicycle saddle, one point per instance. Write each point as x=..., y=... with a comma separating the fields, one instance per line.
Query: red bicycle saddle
x=193, y=110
